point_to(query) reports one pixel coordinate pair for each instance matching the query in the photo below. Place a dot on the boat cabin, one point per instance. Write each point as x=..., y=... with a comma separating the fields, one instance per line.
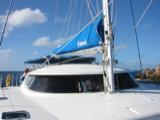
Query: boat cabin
x=75, y=78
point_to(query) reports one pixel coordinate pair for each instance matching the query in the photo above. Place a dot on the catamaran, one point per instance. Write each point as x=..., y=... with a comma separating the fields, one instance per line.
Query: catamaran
x=82, y=91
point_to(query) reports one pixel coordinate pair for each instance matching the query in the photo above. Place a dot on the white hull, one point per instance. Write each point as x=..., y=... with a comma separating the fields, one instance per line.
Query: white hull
x=120, y=105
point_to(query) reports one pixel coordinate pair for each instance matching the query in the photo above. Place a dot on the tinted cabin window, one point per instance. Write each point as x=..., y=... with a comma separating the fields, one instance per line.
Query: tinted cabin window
x=66, y=84
x=81, y=83
x=124, y=81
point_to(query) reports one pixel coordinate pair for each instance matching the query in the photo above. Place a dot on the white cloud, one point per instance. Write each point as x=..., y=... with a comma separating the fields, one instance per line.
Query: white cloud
x=23, y=17
x=47, y=42
x=6, y=54
x=42, y=42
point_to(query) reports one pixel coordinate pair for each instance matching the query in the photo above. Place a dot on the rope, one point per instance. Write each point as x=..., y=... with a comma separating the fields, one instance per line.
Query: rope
x=93, y=18
x=143, y=14
x=90, y=11
x=80, y=14
x=112, y=12
x=67, y=18
x=137, y=41
x=97, y=6
x=56, y=4
x=115, y=16
x=71, y=13
x=5, y=24
x=78, y=32
x=94, y=9
x=72, y=59
x=139, y=20
x=74, y=18
x=85, y=54
x=110, y=2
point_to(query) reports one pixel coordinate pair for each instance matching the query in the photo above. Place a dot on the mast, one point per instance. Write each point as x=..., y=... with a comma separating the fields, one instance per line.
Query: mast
x=108, y=49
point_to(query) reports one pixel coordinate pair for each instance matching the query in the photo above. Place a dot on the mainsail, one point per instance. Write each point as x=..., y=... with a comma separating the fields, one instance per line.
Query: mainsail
x=91, y=36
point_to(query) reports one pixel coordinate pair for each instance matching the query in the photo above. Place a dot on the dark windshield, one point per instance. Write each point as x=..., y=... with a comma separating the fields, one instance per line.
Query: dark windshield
x=80, y=83
x=66, y=84
x=124, y=81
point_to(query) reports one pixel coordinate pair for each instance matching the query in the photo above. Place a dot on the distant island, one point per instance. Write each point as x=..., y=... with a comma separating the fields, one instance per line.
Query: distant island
x=150, y=74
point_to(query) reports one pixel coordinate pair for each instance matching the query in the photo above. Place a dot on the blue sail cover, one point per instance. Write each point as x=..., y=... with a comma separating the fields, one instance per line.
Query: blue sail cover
x=89, y=37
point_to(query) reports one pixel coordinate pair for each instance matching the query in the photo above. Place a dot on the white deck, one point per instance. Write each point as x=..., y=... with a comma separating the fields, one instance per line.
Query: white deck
x=18, y=101
x=86, y=106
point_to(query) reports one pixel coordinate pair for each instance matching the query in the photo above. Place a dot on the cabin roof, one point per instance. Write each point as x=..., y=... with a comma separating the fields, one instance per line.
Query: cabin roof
x=73, y=69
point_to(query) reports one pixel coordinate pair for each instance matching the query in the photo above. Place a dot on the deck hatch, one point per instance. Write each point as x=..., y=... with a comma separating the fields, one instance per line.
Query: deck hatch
x=12, y=115
x=3, y=98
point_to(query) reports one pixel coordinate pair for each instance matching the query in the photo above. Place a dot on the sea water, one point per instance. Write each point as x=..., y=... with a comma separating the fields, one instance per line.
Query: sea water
x=15, y=77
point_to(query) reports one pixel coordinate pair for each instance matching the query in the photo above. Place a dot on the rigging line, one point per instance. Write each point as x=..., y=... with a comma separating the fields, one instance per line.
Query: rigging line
x=74, y=18
x=139, y=20
x=137, y=40
x=110, y=2
x=112, y=12
x=66, y=18
x=72, y=59
x=69, y=60
x=80, y=14
x=73, y=37
x=86, y=18
x=85, y=54
x=69, y=18
x=106, y=7
x=53, y=17
x=92, y=18
x=5, y=24
x=93, y=7
x=78, y=33
x=113, y=9
x=115, y=65
x=143, y=14
x=114, y=31
x=97, y=6
x=115, y=18
x=56, y=4
x=90, y=11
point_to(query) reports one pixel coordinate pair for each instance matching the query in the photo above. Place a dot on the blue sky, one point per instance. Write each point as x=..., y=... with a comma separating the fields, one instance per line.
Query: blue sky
x=36, y=26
